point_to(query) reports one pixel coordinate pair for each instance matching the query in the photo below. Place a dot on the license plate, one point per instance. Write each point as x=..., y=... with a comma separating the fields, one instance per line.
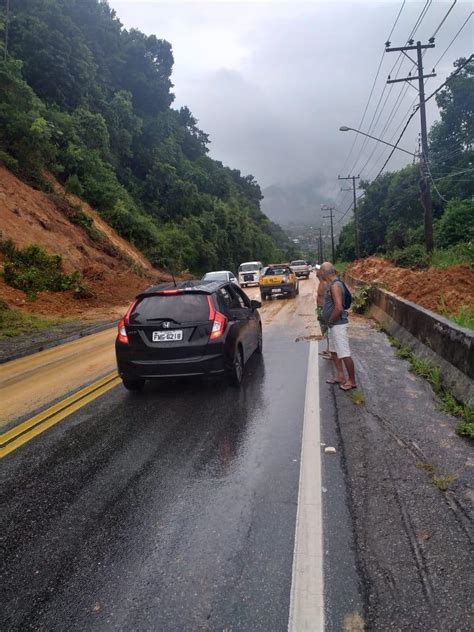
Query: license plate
x=277, y=291
x=167, y=336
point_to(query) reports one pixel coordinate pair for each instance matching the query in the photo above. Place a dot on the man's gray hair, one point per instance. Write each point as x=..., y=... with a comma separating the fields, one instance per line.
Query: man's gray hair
x=328, y=268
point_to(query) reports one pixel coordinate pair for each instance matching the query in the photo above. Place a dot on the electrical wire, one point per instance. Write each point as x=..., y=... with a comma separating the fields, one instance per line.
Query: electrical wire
x=454, y=39
x=373, y=84
x=456, y=72
x=444, y=19
x=401, y=57
x=451, y=175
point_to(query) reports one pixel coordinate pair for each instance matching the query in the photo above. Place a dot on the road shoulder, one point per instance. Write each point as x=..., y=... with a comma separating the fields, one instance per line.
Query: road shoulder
x=412, y=537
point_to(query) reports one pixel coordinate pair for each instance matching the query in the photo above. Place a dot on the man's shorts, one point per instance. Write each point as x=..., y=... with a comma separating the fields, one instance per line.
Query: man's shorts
x=339, y=341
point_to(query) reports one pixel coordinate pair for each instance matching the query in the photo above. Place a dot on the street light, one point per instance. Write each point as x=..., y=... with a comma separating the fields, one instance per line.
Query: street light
x=344, y=128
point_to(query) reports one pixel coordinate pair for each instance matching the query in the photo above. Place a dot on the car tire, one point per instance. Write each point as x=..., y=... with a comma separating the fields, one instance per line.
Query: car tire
x=237, y=371
x=133, y=385
x=263, y=296
x=259, y=348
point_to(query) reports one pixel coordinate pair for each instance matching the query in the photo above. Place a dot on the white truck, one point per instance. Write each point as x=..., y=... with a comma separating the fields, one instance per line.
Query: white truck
x=250, y=273
x=301, y=268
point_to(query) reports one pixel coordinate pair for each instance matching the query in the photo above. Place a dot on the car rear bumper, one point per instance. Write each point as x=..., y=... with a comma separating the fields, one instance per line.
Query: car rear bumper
x=283, y=288
x=182, y=367
x=302, y=273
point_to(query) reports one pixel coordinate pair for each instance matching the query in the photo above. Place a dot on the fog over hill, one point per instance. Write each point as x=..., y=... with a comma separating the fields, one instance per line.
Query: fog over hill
x=299, y=202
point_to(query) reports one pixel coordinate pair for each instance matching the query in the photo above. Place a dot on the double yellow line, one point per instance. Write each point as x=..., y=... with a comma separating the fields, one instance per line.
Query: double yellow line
x=24, y=432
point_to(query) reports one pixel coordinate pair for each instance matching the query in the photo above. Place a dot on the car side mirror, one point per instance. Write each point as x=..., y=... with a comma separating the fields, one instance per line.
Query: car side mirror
x=255, y=305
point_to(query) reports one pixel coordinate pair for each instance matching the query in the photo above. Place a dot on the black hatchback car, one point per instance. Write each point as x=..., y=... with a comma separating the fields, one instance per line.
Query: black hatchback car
x=191, y=328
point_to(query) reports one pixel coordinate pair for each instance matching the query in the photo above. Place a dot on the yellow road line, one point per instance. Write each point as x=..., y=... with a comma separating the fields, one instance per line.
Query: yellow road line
x=31, y=428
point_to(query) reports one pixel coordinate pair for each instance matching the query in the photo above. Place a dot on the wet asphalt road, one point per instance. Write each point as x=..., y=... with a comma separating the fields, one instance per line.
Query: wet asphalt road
x=169, y=510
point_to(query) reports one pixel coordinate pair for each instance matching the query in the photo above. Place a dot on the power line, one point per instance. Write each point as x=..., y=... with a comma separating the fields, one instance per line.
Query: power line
x=453, y=74
x=451, y=175
x=454, y=38
x=373, y=84
x=418, y=22
x=444, y=19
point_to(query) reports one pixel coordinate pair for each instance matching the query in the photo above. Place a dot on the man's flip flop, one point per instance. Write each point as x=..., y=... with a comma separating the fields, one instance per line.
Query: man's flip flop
x=347, y=387
x=332, y=381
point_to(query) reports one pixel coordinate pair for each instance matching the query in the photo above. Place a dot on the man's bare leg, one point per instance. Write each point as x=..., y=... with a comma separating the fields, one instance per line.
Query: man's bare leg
x=340, y=377
x=351, y=382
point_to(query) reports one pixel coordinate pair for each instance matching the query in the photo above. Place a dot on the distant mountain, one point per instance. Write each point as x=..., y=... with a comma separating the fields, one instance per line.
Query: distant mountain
x=299, y=203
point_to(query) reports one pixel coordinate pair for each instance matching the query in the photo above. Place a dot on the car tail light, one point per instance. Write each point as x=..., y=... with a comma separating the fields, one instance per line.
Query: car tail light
x=219, y=321
x=173, y=291
x=122, y=332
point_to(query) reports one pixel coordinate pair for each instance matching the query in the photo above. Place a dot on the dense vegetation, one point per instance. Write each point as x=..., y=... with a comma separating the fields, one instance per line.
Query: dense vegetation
x=391, y=214
x=90, y=102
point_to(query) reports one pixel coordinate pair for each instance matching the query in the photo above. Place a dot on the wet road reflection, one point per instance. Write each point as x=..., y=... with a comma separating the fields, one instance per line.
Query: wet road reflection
x=173, y=509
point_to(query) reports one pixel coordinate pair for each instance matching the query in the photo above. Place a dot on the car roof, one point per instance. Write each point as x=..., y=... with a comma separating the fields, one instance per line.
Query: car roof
x=219, y=272
x=193, y=287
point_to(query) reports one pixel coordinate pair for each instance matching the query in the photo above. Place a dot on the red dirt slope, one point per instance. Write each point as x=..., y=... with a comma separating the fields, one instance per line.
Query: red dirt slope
x=440, y=290
x=108, y=268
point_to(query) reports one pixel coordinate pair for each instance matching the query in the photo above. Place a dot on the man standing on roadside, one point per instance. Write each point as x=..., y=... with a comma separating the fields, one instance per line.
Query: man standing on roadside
x=319, y=310
x=336, y=319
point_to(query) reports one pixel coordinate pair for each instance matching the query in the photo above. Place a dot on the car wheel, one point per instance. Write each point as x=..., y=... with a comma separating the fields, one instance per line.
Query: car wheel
x=260, y=340
x=237, y=370
x=133, y=385
x=297, y=289
x=263, y=296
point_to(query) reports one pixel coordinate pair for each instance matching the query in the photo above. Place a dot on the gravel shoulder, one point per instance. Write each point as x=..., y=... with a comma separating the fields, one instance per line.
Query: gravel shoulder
x=413, y=540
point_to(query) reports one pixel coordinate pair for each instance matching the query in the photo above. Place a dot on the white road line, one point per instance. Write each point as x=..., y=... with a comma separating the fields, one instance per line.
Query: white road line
x=307, y=588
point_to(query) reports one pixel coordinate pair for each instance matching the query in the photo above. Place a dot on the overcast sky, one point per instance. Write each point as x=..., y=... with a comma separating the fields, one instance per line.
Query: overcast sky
x=271, y=82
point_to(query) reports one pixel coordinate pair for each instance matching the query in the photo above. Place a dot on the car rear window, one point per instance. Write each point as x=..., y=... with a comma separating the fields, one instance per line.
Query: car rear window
x=180, y=308
x=276, y=271
x=215, y=276
x=248, y=267
x=298, y=263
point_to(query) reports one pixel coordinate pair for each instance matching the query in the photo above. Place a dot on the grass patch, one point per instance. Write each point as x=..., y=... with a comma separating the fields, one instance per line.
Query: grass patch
x=362, y=299
x=341, y=266
x=404, y=353
x=464, y=317
x=448, y=403
x=33, y=270
x=426, y=466
x=379, y=327
x=14, y=323
x=441, y=481
x=456, y=255
x=358, y=398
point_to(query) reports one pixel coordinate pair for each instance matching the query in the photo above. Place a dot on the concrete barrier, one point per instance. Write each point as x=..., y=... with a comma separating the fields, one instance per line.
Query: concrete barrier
x=430, y=336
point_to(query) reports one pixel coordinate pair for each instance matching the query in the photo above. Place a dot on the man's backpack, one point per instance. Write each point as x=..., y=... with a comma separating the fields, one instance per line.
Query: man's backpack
x=347, y=296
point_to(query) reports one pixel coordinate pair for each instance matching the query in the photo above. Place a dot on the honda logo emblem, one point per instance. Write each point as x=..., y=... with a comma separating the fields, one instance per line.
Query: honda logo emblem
x=166, y=324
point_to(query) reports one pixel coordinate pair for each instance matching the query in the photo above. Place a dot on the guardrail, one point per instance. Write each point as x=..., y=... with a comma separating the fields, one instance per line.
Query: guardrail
x=430, y=335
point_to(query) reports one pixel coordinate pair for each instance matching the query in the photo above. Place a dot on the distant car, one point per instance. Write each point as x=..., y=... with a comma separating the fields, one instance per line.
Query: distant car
x=301, y=268
x=279, y=279
x=250, y=273
x=221, y=275
x=191, y=328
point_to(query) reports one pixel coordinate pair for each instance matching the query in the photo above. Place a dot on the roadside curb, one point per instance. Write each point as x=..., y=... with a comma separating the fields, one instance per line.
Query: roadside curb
x=56, y=342
x=430, y=335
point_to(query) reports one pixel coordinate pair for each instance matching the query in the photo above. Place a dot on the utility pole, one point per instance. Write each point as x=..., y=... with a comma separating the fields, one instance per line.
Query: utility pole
x=321, y=250
x=356, y=223
x=330, y=210
x=425, y=187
